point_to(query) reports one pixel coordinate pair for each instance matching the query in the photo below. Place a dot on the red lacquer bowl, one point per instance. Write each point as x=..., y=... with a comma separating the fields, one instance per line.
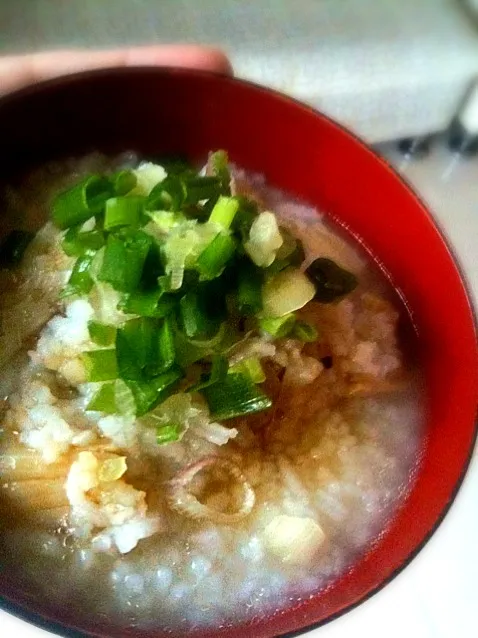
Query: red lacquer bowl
x=301, y=151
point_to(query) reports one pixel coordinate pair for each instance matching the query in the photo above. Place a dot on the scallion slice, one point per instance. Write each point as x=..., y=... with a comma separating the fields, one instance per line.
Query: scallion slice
x=150, y=303
x=278, y=327
x=219, y=368
x=186, y=352
x=100, y=365
x=163, y=354
x=218, y=162
x=76, y=205
x=213, y=259
x=249, y=288
x=149, y=393
x=291, y=253
x=251, y=367
x=124, y=259
x=169, y=194
x=105, y=399
x=166, y=344
x=195, y=320
x=80, y=281
x=201, y=188
x=224, y=211
x=76, y=243
x=135, y=347
x=113, y=397
x=286, y=292
x=168, y=433
x=101, y=333
x=123, y=211
x=264, y=239
x=236, y=395
x=304, y=331
x=124, y=181
x=248, y=211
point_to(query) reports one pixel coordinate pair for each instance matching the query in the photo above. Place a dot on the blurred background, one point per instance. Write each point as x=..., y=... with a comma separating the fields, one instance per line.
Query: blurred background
x=387, y=68
x=403, y=74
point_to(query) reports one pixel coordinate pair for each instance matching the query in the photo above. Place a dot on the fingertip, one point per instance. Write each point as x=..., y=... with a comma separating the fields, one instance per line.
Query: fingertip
x=206, y=58
x=219, y=61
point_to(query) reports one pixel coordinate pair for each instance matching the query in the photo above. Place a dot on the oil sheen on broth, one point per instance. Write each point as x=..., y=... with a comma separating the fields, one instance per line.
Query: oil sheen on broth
x=177, y=518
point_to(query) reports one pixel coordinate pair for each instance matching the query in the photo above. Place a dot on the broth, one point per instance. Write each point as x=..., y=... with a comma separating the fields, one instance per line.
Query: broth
x=328, y=468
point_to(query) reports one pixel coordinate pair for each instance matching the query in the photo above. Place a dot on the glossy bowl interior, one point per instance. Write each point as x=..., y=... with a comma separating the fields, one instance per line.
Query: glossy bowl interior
x=170, y=111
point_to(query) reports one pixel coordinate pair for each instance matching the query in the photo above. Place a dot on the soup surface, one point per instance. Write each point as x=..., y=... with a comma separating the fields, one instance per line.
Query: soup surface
x=195, y=508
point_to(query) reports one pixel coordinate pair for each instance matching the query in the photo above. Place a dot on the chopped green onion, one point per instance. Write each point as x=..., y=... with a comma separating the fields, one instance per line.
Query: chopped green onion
x=213, y=259
x=331, y=281
x=124, y=182
x=236, y=395
x=13, y=247
x=195, y=269
x=196, y=321
x=144, y=348
x=304, y=331
x=200, y=188
x=164, y=220
x=165, y=353
x=169, y=194
x=218, y=162
x=285, y=292
x=149, y=393
x=135, y=347
x=123, y=211
x=124, y=259
x=219, y=368
x=104, y=400
x=80, y=281
x=75, y=242
x=224, y=211
x=148, y=176
x=289, y=244
x=125, y=403
x=213, y=299
x=164, y=282
x=249, y=288
x=186, y=351
x=76, y=205
x=248, y=211
x=113, y=397
x=100, y=365
x=101, y=333
x=168, y=433
x=192, y=317
x=264, y=239
x=291, y=253
x=210, y=343
x=278, y=327
x=251, y=367
x=153, y=267
x=151, y=303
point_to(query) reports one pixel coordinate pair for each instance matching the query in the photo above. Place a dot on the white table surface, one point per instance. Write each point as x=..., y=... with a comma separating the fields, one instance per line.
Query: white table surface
x=436, y=595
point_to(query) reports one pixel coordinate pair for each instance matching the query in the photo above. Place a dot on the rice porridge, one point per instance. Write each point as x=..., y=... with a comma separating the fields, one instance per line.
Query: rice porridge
x=252, y=460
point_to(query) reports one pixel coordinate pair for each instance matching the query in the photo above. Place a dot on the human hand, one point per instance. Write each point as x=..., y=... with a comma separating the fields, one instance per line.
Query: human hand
x=19, y=71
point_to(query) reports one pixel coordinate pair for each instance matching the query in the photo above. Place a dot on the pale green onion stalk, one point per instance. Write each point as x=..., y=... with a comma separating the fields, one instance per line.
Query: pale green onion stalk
x=264, y=240
x=286, y=292
x=148, y=175
x=184, y=245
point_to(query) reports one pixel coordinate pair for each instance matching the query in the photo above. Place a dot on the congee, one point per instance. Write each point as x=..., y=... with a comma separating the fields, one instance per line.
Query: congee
x=210, y=405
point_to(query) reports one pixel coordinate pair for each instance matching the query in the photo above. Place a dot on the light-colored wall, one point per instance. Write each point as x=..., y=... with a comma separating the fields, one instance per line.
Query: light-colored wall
x=388, y=68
